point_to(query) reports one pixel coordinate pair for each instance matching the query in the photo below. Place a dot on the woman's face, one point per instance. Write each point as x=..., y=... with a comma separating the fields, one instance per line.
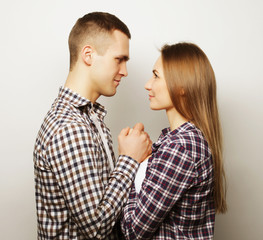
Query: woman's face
x=158, y=93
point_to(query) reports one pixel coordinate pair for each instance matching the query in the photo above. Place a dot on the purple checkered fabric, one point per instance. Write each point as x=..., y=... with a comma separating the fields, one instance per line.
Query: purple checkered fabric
x=176, y=198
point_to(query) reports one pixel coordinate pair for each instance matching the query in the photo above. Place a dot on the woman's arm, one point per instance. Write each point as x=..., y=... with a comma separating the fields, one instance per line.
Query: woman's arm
x=170, y=174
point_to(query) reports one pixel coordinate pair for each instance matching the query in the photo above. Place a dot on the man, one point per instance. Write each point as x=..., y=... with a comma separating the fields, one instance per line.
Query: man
x=80, y=190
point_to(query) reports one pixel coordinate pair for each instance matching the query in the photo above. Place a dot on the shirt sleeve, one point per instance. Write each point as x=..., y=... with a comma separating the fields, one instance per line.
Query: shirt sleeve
x=75, y=162
x=169, y=175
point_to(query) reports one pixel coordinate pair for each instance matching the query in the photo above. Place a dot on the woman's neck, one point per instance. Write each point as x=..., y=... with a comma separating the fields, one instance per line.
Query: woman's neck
x=175, y=119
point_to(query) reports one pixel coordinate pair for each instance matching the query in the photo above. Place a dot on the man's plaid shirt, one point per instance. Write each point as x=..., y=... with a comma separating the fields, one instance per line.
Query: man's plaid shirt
x=77, y=196
x=176, y=197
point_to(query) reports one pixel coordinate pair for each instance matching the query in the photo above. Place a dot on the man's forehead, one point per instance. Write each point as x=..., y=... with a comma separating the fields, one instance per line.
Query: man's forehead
x=120, y=48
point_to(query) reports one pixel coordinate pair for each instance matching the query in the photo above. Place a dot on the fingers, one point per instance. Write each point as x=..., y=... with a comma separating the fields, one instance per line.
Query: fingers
x=137, y=130
x=149, y=145
x=139, y=127
x=135, y=142
x=125, y=131
x=148, y=142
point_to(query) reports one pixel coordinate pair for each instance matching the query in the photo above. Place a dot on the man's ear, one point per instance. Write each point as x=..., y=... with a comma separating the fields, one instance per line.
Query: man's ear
x=86, y=54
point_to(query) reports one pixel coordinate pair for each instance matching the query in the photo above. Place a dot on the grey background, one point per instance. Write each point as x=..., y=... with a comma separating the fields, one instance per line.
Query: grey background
x=34, y=64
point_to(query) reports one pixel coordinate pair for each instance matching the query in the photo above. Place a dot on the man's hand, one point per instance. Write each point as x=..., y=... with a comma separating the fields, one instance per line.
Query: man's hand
x=135, y=143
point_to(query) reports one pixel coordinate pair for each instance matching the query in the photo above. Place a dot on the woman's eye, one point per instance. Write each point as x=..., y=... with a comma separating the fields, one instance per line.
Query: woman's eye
x=155, y=75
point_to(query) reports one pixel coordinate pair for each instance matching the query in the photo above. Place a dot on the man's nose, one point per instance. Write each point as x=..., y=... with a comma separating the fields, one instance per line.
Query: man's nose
x=123, y=70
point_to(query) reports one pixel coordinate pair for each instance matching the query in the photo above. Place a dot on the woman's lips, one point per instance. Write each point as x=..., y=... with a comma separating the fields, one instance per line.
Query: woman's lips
x=117, y=82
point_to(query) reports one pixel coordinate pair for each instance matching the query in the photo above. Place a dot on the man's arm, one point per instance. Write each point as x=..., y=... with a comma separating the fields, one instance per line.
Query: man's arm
x=74, y=160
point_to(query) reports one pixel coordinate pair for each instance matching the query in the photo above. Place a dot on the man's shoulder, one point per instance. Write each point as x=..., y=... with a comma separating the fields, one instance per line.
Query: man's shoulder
x=62, y=117
x=62, y=112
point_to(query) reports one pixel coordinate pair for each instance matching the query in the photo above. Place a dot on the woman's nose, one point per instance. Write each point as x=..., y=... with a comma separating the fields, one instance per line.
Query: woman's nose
x=148, y=85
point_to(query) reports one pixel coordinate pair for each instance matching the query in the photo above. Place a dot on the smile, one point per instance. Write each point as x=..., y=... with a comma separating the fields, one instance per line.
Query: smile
x=117, y=81
x=150, y=97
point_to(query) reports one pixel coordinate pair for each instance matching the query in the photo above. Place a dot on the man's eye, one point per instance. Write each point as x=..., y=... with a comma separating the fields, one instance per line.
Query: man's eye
x=155, y=75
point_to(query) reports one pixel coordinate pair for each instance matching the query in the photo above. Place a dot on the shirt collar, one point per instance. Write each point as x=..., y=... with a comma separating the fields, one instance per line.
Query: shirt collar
x=78, y=101
x=185, y=126
x=167, y=133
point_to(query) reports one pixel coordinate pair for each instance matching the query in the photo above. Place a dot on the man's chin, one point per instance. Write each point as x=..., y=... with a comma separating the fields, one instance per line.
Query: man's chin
x=109, y=94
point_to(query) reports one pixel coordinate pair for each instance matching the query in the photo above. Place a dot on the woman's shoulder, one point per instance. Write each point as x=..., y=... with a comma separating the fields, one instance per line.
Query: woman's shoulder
x=189, y=137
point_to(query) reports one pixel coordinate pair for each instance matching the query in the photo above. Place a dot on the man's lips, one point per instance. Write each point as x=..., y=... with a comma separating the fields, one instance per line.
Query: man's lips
x=150, y=96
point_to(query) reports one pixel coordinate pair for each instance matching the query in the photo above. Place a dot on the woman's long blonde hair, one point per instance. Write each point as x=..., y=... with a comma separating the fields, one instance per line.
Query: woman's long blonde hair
x=192, y=87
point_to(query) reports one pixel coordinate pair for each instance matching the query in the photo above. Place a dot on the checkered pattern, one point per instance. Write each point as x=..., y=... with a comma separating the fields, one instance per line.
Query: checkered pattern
x=176, y=198
x=76, y=195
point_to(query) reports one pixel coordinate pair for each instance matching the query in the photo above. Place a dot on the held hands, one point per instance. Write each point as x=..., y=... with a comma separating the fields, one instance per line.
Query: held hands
x=135, y=143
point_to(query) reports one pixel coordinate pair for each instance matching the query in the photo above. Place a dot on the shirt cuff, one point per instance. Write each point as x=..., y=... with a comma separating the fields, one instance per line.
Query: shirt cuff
x=127, y=166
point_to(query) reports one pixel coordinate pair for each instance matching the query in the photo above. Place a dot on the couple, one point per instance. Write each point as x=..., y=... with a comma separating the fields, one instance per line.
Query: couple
x=82, y=192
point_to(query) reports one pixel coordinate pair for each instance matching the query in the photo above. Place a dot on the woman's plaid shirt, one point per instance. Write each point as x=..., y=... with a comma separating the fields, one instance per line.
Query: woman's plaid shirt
x=176, y=198
x=76, y=195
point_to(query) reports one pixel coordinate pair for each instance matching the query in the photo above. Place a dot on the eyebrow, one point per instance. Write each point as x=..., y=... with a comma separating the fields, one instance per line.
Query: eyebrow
x=123, y=57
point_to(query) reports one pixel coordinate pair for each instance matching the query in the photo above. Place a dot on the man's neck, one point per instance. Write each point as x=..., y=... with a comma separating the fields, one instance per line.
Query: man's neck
x=78, y=82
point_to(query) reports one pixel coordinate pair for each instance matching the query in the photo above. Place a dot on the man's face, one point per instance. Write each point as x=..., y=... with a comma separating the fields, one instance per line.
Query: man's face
x=108, y=69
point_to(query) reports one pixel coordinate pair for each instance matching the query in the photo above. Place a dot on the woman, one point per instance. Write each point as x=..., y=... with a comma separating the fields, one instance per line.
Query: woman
x=184, y=185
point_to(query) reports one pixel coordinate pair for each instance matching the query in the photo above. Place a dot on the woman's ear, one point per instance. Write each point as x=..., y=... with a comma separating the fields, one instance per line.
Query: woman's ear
x=181, y=92
x=86, y=54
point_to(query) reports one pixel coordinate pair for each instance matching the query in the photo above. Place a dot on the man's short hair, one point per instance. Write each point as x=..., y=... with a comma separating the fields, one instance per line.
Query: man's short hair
x=93, y=28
